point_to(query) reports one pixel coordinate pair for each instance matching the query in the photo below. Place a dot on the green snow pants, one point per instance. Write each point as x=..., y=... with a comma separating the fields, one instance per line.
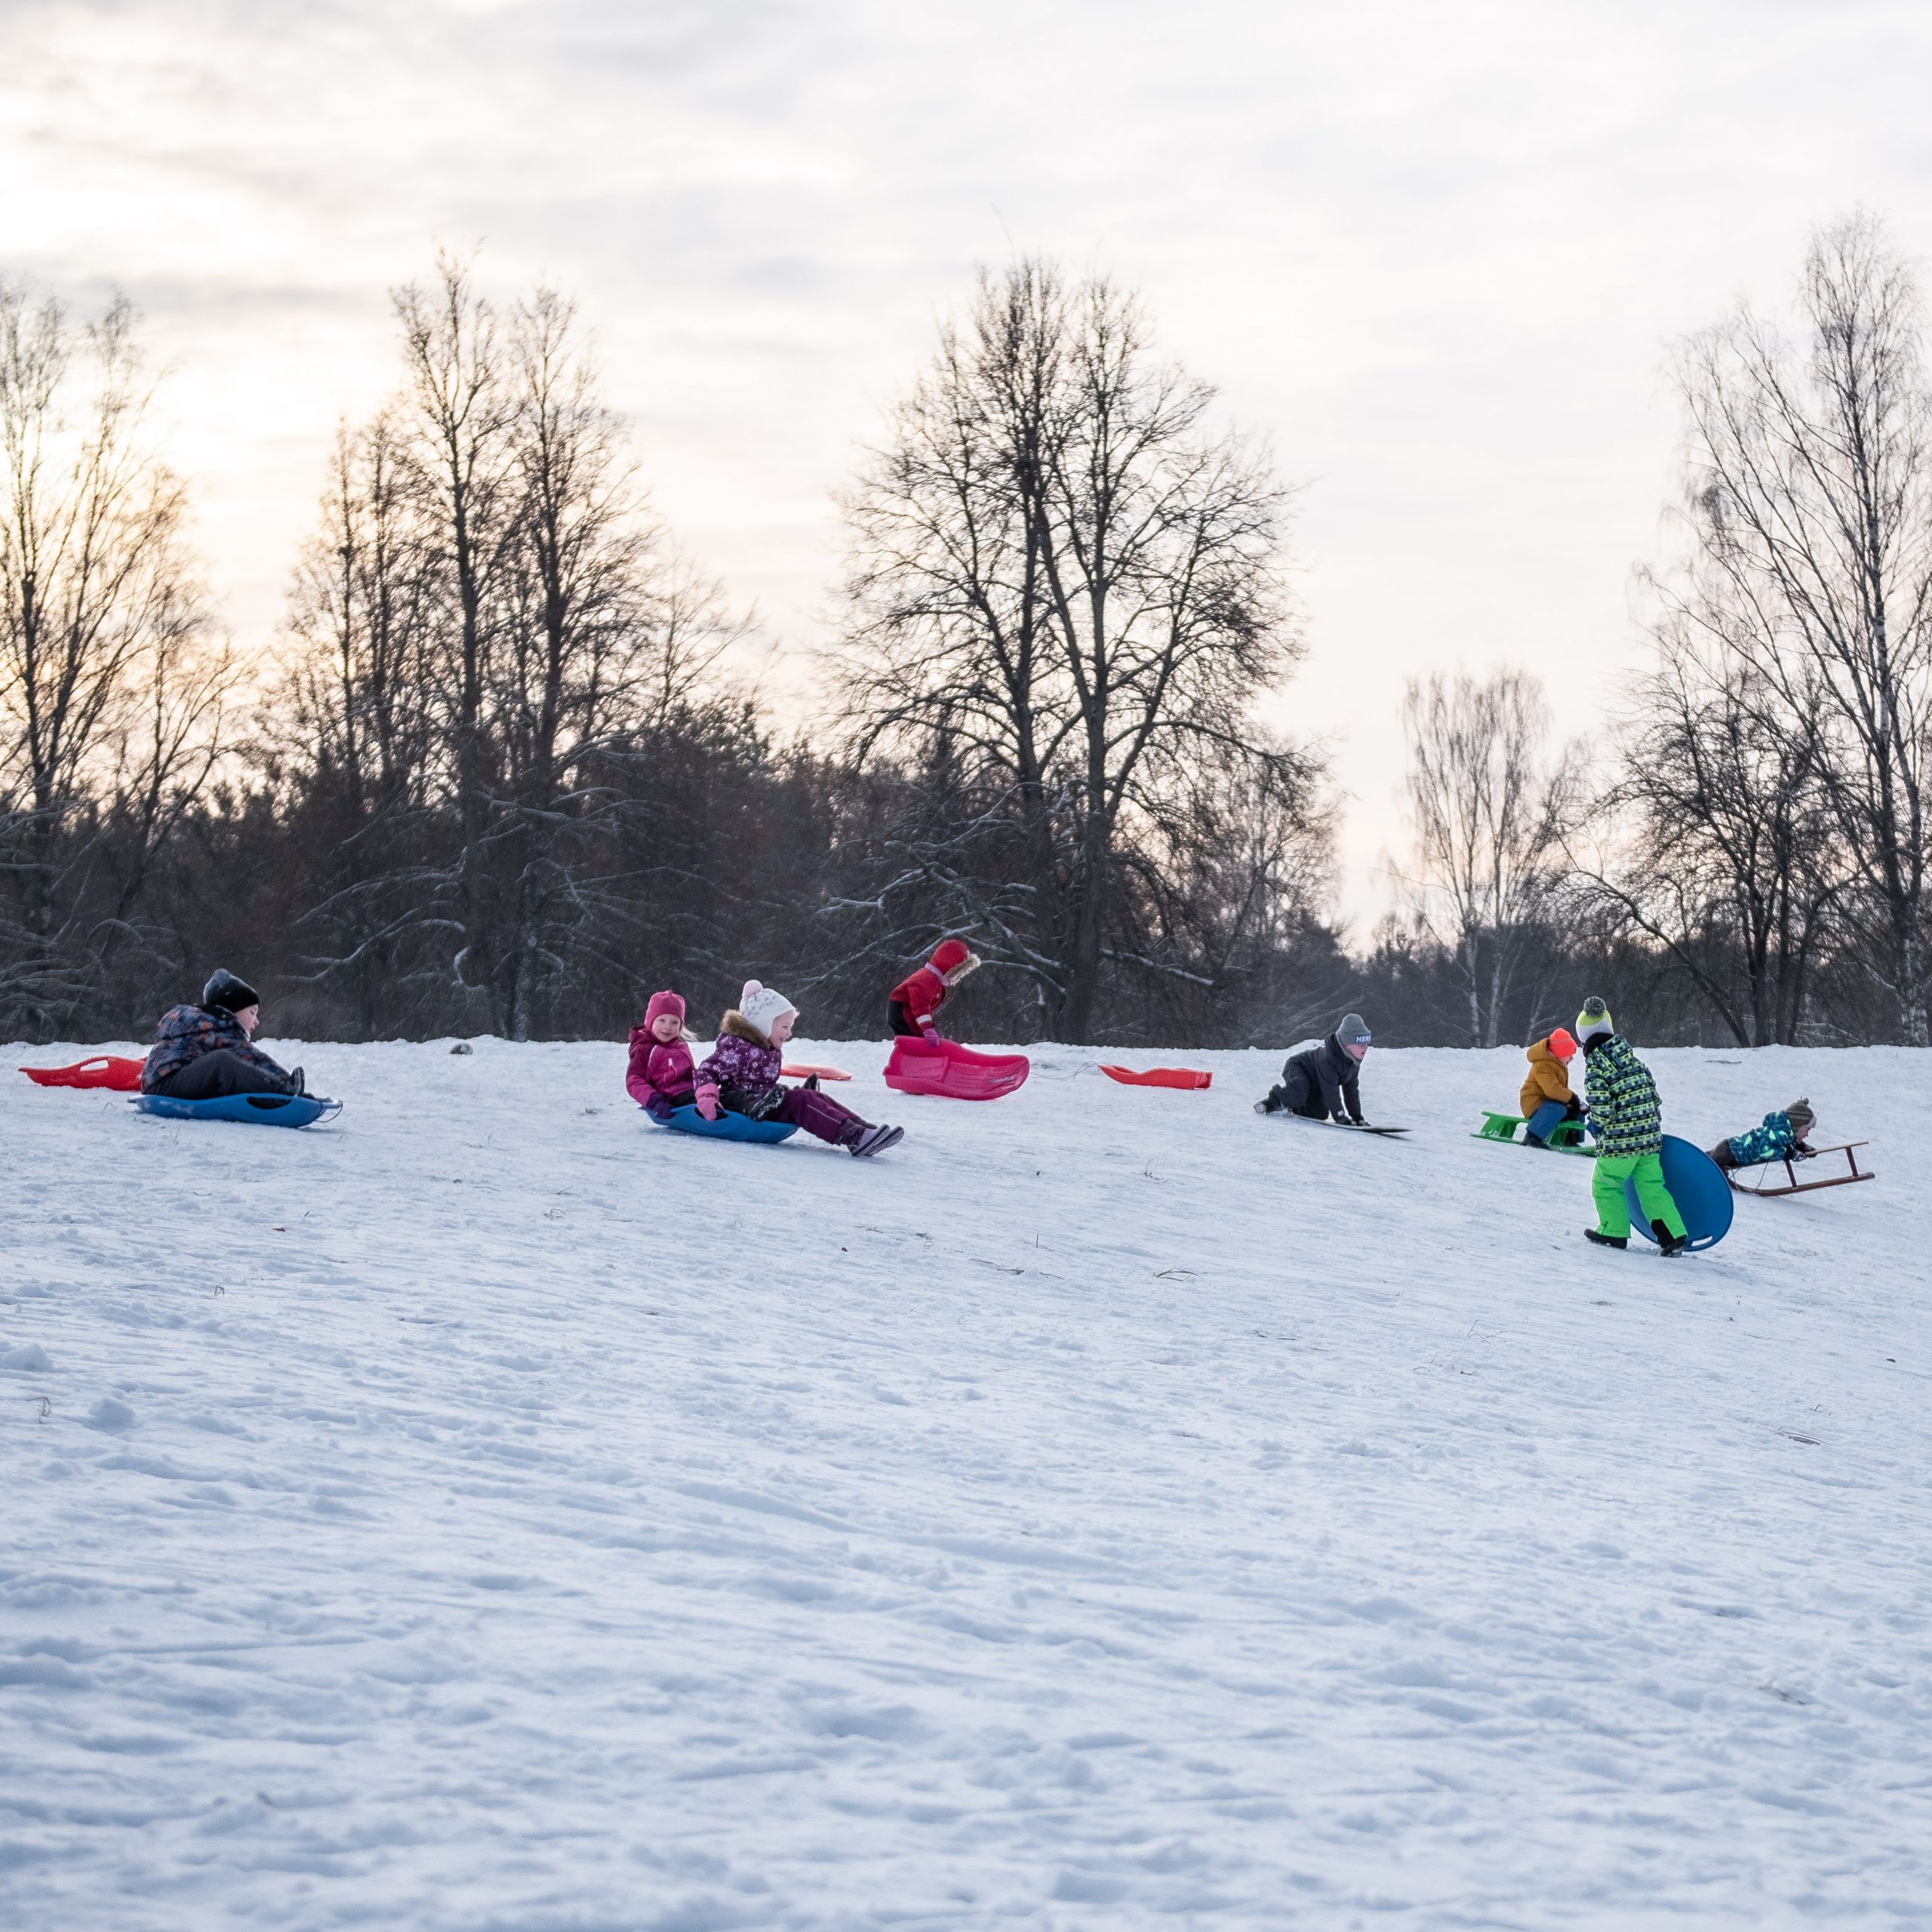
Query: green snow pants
x=1606, y=1184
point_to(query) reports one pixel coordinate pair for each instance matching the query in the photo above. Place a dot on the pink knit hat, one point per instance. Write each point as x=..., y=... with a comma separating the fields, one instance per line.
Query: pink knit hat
x=662, y=1003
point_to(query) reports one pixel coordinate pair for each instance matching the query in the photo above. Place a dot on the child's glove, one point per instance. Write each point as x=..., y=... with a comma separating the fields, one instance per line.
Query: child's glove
x=706, y=1101
x=929, y=1033
x=1574, y=1111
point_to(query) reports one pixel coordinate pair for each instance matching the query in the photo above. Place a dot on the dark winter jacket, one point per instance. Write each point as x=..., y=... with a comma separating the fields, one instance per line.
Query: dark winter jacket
x=186, y=1033
x=659, y=1072
x=1771, y=1139
x=743, y=1067
x=1622, y=1098
x=1323, y=1081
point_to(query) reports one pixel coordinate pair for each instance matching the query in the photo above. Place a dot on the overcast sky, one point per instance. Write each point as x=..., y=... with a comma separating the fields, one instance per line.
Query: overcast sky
x=1435, y=252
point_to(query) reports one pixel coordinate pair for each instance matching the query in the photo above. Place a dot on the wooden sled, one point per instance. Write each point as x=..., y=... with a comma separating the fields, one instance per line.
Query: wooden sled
x=1793, y=1185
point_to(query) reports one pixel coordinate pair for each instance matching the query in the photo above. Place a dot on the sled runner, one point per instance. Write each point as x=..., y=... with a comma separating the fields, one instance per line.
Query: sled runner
x=802, y=1072
x=727, y=1126
x=951, y=1072
x=1184, y=1077
x=1698, y=1186
x=1793, y=1184
x=115, y=1072
x=257, y=1109
x=1566, y=1137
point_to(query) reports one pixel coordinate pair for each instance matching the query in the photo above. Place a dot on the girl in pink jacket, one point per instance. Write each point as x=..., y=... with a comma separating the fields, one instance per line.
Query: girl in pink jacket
x=661, y=1074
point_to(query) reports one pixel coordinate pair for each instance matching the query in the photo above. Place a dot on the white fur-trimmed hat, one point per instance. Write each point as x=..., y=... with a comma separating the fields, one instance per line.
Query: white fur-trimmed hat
x=763, y=1006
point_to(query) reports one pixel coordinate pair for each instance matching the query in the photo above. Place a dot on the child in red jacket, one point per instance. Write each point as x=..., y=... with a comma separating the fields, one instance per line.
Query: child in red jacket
x=912, y=1002
x=662, y=1075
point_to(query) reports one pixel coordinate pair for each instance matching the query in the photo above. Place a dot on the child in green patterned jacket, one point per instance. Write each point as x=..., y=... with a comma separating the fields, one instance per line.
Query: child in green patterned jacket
x=1623, y=1107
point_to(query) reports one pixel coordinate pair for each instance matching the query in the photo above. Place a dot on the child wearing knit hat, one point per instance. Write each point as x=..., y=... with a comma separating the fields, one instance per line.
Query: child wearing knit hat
x=1781, y=1135
x=662, y=1075
x=741, y=1076
x=1546, y=1101
x=1622, y=1099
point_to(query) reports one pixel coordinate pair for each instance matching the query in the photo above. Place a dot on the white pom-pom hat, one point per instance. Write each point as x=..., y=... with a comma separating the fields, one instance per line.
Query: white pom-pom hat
x=763, y=1006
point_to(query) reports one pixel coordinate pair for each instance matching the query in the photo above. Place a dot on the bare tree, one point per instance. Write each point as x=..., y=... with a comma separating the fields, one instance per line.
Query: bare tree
x=455, y=416
x=1489, y=815
x=1731, y=864
x=1066, y=595
x=1811, y=504
x=110, y=689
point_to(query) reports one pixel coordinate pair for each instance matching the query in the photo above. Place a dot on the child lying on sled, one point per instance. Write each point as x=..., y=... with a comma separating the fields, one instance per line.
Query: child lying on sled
x=1778, y=1136
x=741, y=1077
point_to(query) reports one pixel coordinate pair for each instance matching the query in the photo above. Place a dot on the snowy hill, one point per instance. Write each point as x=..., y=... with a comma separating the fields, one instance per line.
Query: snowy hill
x=1108, y=1510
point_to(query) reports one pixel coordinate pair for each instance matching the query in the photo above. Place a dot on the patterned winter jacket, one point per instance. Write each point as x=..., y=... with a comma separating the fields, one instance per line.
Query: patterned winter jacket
x=186, y=1033
x=1624, y=1100
x=1770, y=1140
x=744, y=1065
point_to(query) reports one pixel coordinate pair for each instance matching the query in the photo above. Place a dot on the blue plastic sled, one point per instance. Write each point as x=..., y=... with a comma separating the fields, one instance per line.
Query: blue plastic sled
x=1697, y=1185
x=258, y=1109
x=728, y=1126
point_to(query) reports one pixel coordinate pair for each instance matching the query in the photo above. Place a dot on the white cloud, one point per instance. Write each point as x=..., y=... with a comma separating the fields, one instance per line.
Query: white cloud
x=1435, y=252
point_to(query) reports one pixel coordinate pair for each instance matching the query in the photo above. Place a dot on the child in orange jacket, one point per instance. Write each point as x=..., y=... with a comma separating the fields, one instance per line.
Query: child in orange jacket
x=1546, y=1101
x=917, y=998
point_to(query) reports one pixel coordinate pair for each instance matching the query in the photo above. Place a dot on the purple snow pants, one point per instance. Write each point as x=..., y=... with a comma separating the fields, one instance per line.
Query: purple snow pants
x=819, y=1114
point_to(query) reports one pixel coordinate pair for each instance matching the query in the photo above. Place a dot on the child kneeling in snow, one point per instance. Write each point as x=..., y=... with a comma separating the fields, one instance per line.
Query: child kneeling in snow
x=661, y=1075
x=741, y=1077
x=1546, y=1101
x=1778, y=1136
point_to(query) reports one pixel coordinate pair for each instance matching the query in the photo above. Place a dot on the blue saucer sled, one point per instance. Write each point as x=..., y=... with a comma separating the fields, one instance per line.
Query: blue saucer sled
x=1698, y=1186
x=254, y=1109
x=726, y=1127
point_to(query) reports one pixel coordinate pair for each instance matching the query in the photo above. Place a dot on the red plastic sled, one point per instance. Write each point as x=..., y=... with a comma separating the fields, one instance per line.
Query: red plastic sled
x=118, y=1074
x=802, y=1072
x=1182, y=1077
x=953, y=1072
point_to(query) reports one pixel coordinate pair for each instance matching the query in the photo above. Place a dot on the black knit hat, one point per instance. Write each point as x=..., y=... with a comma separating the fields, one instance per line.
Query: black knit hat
x=224, y=990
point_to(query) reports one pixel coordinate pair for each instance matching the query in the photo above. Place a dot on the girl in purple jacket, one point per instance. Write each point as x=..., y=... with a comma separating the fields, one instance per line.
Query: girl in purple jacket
x=741, y=1077
x=660, y=1076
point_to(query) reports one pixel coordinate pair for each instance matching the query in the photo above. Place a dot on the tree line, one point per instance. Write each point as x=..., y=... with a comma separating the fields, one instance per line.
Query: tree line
x=506, y=767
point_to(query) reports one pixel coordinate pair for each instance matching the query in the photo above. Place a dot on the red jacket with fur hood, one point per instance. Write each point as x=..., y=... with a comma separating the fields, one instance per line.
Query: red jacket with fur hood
x=921, y=995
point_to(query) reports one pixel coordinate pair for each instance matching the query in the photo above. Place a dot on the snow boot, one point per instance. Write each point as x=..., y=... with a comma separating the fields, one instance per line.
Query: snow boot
x=870, y=1140
x=1603, y=1240
x=1272, y=1104
x=296, y=1084
x=1669, y=1244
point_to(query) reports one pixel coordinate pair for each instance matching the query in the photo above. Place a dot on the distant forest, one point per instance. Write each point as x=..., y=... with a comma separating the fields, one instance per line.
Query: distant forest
x=501, y=771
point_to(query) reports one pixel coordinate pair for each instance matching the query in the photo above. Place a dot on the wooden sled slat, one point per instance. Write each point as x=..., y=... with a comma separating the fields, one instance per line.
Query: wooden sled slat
x=1793, y=1185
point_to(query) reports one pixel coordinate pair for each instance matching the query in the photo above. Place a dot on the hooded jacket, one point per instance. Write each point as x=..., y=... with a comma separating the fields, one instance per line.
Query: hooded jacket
x=744, y=1065
x=186, y=1033
x=1322, y=1081
x=1623, y=1098
x=1547, y=1079
x=658, y=1071
x=921, y=995
x=1771, y=1139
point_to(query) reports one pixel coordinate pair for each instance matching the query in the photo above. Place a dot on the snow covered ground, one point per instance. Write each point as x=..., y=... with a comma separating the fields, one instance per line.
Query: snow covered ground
x=1108, y=1510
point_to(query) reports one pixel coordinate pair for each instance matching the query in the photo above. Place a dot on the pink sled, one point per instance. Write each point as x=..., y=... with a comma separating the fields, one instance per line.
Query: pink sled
x=953, y=1072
